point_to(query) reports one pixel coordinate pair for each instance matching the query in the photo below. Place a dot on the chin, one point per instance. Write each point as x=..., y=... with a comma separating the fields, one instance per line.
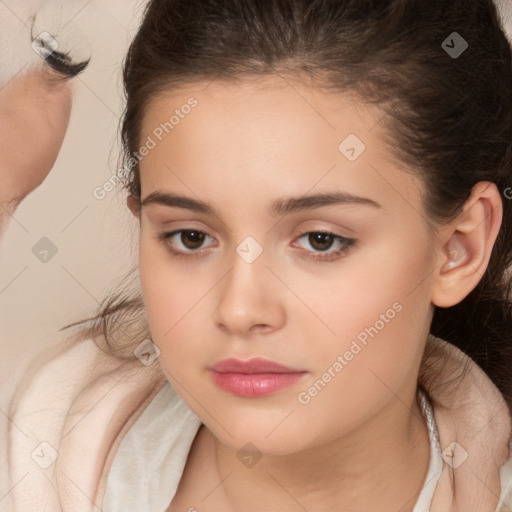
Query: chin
x=254, y=442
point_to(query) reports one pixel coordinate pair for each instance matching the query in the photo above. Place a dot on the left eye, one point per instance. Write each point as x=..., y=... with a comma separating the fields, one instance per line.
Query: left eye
x=191, y=241
x=323, y=240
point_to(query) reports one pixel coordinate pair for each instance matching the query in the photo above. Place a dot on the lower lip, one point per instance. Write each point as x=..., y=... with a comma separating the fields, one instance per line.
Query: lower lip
x=255, y=385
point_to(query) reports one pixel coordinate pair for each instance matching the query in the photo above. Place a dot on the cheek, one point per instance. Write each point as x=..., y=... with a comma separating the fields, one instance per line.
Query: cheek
x=380, y=312
x=379, y=292
x=174, y=301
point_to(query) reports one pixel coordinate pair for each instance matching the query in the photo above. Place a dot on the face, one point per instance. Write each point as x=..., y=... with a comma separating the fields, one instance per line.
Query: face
x=313, y=252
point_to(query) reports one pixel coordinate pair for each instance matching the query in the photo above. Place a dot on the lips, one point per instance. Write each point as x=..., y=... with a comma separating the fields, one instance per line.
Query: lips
x=256, y=365
x=257, y=377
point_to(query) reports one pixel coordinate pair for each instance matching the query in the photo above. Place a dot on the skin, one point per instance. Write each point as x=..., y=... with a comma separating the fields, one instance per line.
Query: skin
x=361, y=441
x=35, y=106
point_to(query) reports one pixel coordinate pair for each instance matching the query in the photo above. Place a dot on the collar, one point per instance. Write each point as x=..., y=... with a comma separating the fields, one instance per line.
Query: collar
x=474, y=427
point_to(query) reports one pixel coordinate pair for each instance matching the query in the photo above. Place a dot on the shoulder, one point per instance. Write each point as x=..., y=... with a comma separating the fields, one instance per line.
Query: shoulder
x=65, y=417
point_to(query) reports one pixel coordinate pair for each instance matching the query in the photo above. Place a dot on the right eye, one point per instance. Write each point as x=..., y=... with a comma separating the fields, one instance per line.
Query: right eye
x=189, y=239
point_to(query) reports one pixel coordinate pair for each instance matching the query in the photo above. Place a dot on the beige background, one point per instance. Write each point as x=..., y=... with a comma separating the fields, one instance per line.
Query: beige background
x=96, y=240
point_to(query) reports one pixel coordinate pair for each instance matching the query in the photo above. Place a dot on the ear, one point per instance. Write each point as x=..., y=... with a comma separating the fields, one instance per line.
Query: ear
x=133, y=203
x=467, y=246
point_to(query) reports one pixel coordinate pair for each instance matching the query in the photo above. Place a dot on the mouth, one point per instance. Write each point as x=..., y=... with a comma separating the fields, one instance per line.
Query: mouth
x=252, y=366
x=253, y=378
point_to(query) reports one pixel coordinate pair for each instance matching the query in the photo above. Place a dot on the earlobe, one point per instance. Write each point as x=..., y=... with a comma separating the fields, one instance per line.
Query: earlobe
x=465, y=255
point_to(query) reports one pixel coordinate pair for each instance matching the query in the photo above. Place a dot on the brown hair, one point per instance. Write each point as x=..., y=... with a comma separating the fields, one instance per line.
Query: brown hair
x=450, y=116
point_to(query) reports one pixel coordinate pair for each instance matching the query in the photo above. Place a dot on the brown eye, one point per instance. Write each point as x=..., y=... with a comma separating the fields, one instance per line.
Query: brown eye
x=321, y=244
x=186, y=243
x=321, y=241
x=192, y=239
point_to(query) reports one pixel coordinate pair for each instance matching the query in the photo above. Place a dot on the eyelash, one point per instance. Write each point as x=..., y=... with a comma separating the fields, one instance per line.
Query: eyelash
x=348, y=244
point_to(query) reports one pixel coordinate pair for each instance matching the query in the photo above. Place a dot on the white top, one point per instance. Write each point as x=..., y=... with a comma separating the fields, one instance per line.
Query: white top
x=148, y=465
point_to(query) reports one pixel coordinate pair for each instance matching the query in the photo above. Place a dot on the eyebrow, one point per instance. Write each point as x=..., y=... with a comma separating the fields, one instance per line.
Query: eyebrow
x=278, y=207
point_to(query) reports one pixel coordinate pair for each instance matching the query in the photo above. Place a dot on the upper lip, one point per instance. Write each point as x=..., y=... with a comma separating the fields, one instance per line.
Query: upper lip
x=252, y=366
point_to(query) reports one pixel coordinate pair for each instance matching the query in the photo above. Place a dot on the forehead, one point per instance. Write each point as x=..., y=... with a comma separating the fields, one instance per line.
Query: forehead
x=274, y=133
x=263, y=103
x=273, y=118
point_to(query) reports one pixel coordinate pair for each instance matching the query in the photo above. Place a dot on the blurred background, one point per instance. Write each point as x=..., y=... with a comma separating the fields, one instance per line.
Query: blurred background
x=92, y=237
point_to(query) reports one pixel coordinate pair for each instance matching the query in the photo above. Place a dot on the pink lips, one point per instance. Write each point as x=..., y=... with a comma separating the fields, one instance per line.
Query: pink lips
x=254, y=378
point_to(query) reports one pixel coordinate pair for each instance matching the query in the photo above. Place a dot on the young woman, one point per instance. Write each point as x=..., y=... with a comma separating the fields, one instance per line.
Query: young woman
x=323, y=189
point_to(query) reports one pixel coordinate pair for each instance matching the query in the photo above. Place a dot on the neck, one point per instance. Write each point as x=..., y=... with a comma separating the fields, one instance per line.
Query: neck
x=382, y=465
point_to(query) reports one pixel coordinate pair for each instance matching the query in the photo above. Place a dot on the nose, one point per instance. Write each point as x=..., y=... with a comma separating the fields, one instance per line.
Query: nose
x=250, y=299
